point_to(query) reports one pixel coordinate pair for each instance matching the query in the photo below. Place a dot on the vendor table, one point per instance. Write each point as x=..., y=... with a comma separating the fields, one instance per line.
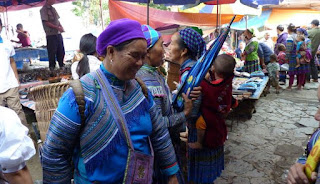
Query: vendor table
x=246, y=106
x=25, y=54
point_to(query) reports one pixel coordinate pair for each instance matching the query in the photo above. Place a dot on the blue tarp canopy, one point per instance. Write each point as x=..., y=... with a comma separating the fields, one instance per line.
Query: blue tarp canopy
x=256, y=21
x=7, y=3
x=256, y=3
x=11, y=5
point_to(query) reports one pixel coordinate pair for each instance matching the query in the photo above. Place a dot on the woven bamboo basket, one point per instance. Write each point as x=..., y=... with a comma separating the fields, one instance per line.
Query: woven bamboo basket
x=173, y=75
x=46, y=98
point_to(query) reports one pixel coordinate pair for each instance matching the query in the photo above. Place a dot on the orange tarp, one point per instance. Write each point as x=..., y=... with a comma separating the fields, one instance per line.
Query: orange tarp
x=299, y=17
x=160, y=18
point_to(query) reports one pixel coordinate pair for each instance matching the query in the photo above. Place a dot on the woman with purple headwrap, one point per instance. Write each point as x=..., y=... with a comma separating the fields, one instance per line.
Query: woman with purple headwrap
x=114, y=141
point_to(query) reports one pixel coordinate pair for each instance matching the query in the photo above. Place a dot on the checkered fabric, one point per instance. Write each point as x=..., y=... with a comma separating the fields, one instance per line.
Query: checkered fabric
x=152, y=36
x=194, y=42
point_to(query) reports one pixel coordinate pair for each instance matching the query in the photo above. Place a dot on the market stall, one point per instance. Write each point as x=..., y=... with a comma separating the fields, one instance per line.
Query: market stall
x=24, y=55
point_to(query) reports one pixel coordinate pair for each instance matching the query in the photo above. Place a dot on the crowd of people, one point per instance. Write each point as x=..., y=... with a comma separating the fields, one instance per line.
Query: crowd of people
x=124, y=128
x=296, y=51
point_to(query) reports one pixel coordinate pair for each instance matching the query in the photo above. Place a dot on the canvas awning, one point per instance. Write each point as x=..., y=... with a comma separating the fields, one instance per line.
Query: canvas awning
x=13, y=5
x=299, y=17
x=273, y=17
x=161, y=18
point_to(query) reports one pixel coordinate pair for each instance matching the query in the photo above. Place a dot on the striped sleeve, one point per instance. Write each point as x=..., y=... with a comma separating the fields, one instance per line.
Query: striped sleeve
x=56, y=153
x=174, y=118
x=161, y=142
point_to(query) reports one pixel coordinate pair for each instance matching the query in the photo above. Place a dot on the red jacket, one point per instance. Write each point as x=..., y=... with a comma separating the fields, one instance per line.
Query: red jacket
x=216, y=102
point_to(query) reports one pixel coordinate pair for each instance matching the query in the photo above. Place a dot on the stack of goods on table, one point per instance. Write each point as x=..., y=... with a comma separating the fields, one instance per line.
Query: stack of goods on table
x=43, y=74
x=245, y=84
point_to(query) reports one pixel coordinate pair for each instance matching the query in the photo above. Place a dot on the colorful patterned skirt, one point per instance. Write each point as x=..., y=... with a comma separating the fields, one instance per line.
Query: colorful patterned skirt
x=303, y=69
x=251, y=66
x=204, y=165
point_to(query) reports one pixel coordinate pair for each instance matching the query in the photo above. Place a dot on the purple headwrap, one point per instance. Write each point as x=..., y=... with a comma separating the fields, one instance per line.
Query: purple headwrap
x=118, y=31
x=194, y=42
x=151, y=35
x=303, y=31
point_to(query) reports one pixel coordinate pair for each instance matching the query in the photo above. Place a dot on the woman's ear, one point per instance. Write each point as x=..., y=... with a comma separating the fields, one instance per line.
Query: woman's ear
x=110, y=52
x=184, y=52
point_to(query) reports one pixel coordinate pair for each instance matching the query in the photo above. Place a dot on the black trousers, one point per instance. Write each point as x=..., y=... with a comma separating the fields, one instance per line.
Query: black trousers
x=313, y=71
x=55, y=49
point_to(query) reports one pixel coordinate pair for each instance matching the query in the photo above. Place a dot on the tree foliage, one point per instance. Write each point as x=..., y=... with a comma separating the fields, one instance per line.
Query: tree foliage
x=156, y=6
x=89, y=10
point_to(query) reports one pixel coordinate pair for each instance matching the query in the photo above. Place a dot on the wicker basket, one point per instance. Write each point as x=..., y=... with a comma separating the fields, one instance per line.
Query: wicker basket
x=46, y=98
x=173, y=75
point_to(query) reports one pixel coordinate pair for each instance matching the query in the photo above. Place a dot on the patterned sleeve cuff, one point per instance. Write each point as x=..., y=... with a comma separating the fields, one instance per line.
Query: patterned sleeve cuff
x=171, y=170
x=302, y=160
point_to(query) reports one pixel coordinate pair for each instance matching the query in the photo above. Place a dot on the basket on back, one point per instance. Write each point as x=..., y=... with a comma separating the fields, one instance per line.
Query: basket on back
x=173, y=75
x=46, y=98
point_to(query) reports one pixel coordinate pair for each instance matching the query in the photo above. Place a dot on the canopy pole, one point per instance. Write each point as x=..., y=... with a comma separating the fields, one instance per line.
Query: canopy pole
x=148, y=12
x=217, y=14
x=7, y=23
x=101, y=16
x=246, y=17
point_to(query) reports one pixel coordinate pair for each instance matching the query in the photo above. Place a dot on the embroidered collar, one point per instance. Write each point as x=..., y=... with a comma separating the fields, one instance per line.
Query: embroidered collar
x=149, y=68
x=187, y=63
x=113, y=80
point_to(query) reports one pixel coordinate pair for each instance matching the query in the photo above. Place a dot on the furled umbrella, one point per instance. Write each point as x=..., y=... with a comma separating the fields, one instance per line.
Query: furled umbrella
x=199, y=70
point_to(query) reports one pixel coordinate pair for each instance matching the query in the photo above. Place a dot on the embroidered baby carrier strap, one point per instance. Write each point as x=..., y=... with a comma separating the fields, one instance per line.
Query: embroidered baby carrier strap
x=139, y=166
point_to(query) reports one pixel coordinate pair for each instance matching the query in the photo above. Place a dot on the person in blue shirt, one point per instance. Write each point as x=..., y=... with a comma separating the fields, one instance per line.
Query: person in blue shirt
x=264, y=53
x=240, y=49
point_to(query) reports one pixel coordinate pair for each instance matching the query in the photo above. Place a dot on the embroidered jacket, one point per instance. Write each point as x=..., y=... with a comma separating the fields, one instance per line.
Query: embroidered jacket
x=99, y=152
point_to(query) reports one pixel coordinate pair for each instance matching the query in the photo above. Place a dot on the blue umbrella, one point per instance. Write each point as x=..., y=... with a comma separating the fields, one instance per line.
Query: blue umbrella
x=256, y=3
x=199, y=70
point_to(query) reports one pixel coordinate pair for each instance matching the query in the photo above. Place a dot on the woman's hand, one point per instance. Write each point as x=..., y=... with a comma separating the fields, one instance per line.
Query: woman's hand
x=195, y=93
x=296, y=175
x=173, y=179
x=187, y=105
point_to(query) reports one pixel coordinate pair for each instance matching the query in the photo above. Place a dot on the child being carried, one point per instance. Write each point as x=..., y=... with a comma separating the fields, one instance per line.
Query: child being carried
x=216, y=103
x=301, y=51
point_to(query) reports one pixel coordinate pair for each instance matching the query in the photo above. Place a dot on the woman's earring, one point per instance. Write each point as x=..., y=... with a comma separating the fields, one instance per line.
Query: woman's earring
x=111, y=61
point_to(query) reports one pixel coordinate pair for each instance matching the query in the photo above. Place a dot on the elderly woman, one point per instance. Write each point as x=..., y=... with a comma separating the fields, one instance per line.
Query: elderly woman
x=185, y=48
x=120, y=120
x=250, y=54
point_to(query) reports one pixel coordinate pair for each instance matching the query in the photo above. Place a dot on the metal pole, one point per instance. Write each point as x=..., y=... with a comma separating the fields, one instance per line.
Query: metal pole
x=246, y=17
x=217, y=14
x=148, y=12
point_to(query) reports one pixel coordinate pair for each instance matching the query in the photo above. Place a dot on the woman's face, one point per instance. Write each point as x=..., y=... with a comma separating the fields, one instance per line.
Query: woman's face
x=247, y=35
x=156, y=54
x=175, y=52
x=126, y=63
